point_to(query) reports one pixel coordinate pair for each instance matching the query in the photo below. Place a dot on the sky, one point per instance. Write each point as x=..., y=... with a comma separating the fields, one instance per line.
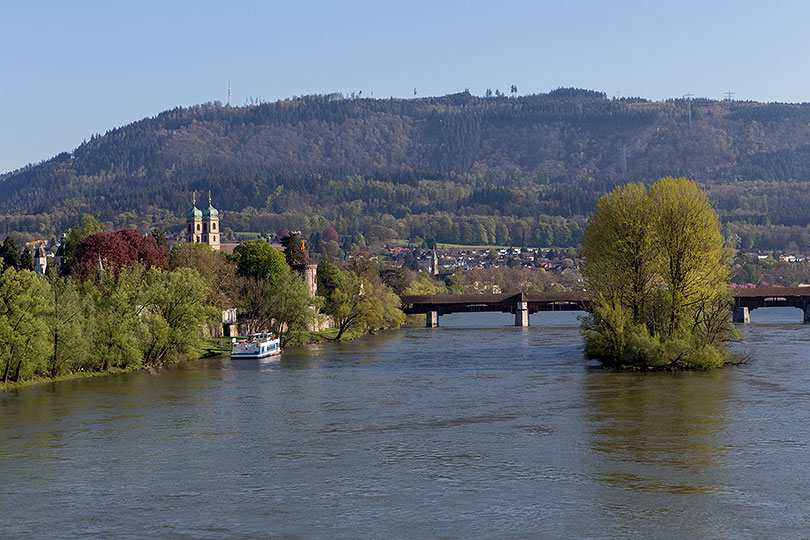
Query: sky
x=69, y=70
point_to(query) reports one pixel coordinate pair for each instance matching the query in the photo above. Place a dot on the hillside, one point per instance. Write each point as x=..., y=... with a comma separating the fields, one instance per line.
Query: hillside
x=458, y=168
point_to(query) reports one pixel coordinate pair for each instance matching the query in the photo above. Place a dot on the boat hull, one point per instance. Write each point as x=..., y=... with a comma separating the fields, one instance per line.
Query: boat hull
x=258, y=346
x=255, y=355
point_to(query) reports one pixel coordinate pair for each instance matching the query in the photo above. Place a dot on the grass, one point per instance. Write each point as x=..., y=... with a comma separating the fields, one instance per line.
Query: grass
x=215, y=346
x=5, y=387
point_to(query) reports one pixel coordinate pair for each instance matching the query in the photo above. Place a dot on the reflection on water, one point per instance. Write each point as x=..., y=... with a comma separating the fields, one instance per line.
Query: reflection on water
x=474, y=429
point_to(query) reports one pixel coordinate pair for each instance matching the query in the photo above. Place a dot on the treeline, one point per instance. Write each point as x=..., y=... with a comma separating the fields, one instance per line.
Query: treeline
x=122, y=301
x=328, y=157
x=55, y=325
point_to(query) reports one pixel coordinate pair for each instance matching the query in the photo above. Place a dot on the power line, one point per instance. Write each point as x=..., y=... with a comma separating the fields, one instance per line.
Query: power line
x=730, y=95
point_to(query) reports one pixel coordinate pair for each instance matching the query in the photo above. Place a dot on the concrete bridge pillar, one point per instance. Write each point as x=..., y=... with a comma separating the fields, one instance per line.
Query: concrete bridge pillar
x=522, y=314
x=807, y=313
x=741, y=315
x=432, y=319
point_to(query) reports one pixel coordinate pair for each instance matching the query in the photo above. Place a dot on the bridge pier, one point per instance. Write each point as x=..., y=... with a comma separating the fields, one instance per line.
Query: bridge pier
x=522, y=314
x=741, y=315
x=432, y=319
x=807, y=313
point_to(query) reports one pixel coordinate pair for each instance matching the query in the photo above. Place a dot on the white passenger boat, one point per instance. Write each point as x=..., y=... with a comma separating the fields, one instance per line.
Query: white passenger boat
x=255, y=346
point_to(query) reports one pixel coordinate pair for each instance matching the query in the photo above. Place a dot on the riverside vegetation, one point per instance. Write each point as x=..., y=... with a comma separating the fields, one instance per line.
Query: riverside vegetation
x=124, y=302
x=658, y=273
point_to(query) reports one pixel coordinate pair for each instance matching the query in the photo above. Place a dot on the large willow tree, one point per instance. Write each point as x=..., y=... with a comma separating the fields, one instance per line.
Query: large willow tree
x=657, y=271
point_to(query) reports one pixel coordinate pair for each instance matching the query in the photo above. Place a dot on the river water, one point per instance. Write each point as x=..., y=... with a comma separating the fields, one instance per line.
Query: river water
x=476, y=429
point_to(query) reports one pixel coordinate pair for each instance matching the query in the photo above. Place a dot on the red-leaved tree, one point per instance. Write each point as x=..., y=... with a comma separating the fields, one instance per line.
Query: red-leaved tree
x=117, y=250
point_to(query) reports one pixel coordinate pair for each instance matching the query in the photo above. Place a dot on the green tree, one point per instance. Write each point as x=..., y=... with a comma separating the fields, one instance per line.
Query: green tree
x=175, y=310
x=752, y=274
x=26, y=259
x=455, y=283
x=254, y=303
x=67, y=325
x=619, y=250
x=363, y=303
x=23, y=328
x=330, y=280
x=79, y=233
x=213, y=265
x=657, y=271
x=160, y=239
x=352, y=307
x=291, y=305
x=117, y=303
x=294, y=251
x=694, y=264
x=284, y=307
x=423, y=284
x=258, y=259
x=9, y=255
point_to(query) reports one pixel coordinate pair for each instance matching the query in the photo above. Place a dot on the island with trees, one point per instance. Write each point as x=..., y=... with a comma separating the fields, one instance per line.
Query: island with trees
x=657, y=270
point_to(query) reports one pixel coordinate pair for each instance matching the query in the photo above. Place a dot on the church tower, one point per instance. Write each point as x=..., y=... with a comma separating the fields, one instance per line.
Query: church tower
x=40, y=260
x=194, y=222
x=203, y=225
x=210, y=225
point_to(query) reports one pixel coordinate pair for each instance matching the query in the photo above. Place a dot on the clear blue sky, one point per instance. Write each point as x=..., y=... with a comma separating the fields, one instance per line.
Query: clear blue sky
x=72, y=69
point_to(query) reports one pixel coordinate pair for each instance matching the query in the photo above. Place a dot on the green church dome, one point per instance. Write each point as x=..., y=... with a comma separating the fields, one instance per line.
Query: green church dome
x=194, y=213
x=210, y=211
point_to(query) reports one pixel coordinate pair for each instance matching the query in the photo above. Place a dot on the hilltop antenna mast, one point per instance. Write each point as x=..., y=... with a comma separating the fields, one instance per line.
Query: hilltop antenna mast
x=229, y=92
x=688, y=98
x=730, y=95
x=624, y=158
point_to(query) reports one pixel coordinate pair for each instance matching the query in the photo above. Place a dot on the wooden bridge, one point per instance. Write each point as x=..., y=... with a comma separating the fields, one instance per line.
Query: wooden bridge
x=523, y=304
x=747, y=299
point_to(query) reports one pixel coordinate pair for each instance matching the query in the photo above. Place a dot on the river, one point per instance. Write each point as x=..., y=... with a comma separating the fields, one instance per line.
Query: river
x=476, y=429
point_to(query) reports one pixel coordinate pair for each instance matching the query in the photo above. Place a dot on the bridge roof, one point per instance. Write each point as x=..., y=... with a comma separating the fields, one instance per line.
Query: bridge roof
x=770, y=292
x=446, y=299
x=575, y=296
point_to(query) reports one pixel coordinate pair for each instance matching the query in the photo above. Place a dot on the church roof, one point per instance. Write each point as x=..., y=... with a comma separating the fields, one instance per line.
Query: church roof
x=194, y=213
x=210, y=211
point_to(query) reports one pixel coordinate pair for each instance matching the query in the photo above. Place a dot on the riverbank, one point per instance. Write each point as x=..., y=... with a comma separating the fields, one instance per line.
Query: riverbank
x=14, y=385
x=211, y=347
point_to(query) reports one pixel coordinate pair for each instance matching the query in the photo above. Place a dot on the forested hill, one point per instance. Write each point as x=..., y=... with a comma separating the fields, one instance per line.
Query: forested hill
x=452, y=167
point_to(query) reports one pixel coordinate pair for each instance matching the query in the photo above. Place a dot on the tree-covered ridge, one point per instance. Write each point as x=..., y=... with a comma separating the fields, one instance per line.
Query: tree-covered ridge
x=362, y=161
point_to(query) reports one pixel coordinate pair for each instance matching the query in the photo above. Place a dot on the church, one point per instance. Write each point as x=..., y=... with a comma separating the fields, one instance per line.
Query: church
x=202, y=226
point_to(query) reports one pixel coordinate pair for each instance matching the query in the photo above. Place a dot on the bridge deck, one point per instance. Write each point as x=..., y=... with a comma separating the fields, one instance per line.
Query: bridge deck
x=563, y=301
x=456, y=303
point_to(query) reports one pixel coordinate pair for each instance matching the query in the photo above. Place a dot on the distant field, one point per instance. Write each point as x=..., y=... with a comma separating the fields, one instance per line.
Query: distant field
x=463, y=246
x=441, y=245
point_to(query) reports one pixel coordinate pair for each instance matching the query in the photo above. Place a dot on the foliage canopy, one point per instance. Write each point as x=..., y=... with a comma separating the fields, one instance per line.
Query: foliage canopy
x=658, y=272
